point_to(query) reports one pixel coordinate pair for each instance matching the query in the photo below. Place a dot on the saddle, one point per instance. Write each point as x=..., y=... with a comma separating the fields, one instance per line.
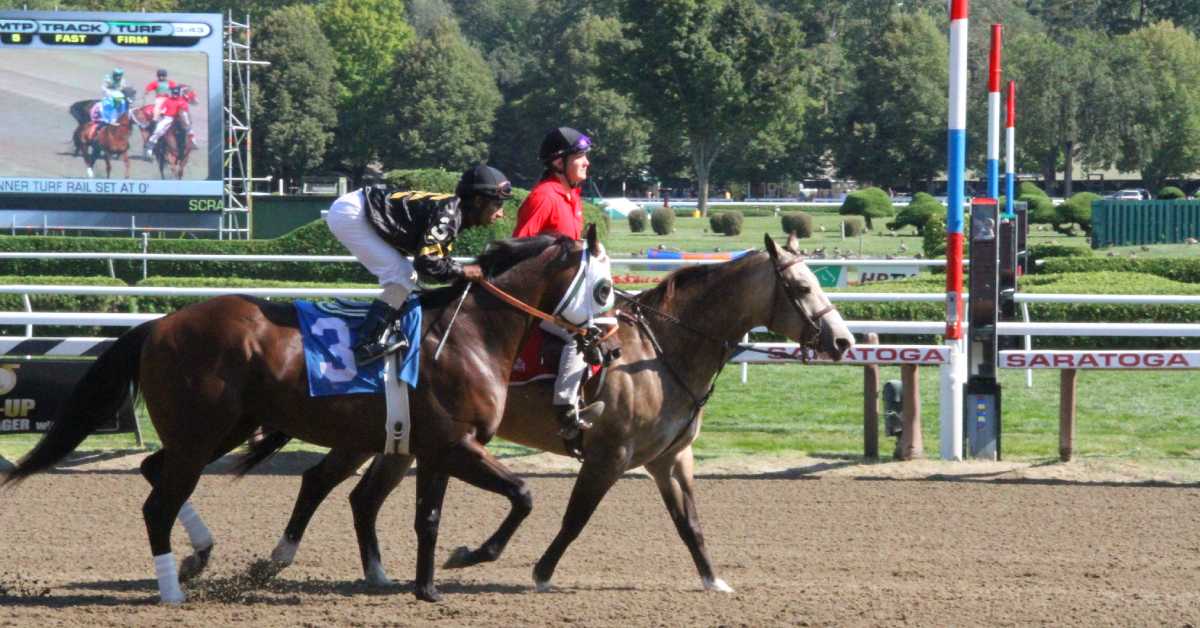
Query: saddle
x=539, y=355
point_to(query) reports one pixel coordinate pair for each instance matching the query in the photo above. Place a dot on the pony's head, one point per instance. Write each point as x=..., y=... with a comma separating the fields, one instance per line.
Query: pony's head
x=799, y=307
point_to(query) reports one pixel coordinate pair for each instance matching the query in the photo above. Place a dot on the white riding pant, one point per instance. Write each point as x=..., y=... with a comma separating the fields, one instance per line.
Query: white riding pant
x=164, y=123
x=571, y=367
x=347, y=219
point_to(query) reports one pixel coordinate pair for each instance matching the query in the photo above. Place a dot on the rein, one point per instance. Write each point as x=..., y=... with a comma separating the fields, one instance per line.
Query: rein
x=529, y=309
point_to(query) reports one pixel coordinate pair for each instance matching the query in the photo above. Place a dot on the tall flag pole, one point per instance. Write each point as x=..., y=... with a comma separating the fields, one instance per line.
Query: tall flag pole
x=1010, y=154
x=993, y=148
x=954, y=373
x=957, y=140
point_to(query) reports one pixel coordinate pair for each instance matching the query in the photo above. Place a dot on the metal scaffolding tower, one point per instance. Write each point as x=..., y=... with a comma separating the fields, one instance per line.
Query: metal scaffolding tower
x=237, y=161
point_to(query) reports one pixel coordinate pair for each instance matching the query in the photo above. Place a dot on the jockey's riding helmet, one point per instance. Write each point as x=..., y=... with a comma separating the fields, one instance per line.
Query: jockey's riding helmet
x=484, y=181
x=162, y=74
x=118, y=74
x=563, y=142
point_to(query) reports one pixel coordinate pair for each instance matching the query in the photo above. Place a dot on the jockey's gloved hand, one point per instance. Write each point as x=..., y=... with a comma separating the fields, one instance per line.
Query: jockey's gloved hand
x=473, y=273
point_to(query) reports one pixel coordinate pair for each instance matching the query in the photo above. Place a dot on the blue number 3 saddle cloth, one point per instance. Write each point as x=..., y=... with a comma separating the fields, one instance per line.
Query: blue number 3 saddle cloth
x=329, y=330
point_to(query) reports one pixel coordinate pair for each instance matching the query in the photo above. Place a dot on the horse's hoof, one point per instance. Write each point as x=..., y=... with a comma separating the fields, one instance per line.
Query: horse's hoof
x=718, y=585
x=459, y=558
x=194, y=565
x=428, y=594
x=284, y=552
x=542, y=586
x=172, y=599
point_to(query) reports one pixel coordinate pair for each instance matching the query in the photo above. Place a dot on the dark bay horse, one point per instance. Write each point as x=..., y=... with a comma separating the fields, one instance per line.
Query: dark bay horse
x=214, y=371
x=683, y=332
x=173, y=150
x=108, y=141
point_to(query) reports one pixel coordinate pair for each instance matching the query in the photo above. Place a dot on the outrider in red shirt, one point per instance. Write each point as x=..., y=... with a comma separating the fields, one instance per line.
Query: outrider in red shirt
x=550, y=208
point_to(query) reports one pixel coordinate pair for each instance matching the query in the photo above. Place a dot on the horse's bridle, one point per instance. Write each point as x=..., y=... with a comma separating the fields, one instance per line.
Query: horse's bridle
x=530, y=310
x=813, y=320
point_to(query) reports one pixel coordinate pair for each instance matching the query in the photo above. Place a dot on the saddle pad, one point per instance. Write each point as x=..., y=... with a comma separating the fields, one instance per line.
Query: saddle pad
x=538, y=358
x=329, y=330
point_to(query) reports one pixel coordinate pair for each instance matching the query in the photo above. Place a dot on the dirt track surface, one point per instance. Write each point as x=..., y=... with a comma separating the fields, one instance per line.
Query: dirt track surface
x=814, y=543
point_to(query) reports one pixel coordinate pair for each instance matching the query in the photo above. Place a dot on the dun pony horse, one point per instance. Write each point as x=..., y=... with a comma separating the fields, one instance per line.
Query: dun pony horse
x=675, y=341
x=214, y=371
x=111, y=140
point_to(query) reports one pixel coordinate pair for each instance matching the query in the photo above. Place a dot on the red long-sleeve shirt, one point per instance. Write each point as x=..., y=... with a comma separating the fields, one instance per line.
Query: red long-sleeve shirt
x=550, y=208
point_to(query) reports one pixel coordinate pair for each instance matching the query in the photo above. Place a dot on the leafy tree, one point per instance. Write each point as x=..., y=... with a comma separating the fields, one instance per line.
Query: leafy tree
x=449, y=103
x=572, y=88
x=893, y=124
x=299, y=90
x=1160, y=128
x=368, y=36
x=713, y=73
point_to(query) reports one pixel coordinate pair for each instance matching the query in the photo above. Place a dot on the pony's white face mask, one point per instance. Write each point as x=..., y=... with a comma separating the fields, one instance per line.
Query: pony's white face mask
x=591, y=291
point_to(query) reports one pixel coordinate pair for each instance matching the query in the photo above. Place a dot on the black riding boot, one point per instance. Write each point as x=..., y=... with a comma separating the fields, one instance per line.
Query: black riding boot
x=374, y=340
x=572, y=423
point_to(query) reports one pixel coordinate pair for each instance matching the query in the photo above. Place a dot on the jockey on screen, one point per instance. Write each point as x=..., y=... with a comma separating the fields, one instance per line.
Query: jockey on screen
x=113, y=104
x=175, y=106
x=161, y=87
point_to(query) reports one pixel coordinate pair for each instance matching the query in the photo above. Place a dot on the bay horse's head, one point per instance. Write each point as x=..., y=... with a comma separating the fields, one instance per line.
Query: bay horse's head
x=555, y=274
x=799, y=307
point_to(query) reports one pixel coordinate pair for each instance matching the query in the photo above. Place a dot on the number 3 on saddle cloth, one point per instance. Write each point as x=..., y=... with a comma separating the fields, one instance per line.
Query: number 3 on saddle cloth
x=329, y=330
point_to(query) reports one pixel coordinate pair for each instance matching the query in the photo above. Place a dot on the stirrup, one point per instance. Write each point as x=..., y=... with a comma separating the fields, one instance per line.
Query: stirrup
x=371, y=351
x=571, y=421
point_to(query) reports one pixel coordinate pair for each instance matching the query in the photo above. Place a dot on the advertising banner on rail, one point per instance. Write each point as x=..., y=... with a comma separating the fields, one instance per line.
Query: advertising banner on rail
x=32, y=391
x=81, y=91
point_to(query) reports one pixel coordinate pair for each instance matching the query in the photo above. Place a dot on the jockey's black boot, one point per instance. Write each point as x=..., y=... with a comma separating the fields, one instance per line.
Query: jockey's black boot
x=572, y=423
x=374, y=341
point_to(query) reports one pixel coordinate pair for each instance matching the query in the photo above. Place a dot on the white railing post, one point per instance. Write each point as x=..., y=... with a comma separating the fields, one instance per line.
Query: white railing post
x=950, y=400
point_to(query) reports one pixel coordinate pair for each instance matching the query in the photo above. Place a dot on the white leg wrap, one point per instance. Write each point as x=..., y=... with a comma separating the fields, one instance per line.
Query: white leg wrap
x=168, y=579
x=197, y=532
x=284, y=552
x=376, y=576
x=717, y=584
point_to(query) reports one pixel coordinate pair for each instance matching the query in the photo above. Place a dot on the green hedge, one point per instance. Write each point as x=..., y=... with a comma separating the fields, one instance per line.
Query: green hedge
x=799, y=223
x=1046, y=251
x=1181, y=269
x=662, y=220
x=637, y=220
x=1073, y=283
x=167, y=304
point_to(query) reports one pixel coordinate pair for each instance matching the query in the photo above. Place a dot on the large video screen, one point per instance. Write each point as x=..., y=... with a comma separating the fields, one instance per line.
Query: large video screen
x=89, y=125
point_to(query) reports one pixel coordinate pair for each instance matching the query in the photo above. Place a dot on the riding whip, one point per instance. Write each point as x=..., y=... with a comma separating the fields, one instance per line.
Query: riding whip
x=442, y=342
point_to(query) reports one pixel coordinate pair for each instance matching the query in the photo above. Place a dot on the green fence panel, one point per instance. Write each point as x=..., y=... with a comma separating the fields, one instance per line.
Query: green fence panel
x=1122, y=223
x=273, y=216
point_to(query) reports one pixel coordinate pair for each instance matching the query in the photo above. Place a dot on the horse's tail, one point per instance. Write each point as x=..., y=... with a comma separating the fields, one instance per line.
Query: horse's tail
x=259, y=451
x=110, y=383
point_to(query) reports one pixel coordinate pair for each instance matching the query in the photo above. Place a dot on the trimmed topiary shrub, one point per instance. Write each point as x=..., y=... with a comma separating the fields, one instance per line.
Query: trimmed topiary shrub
x=1078, y=210
x=637, y=220
x=798, y=223
x=1041, y=209
x=733, y=222
x=1027, y=188
x=854, y=225
x=933, y=238
x=1170, y=193
x=869, y=203
x=918, y=213
x=662, y=221
x=716, y=222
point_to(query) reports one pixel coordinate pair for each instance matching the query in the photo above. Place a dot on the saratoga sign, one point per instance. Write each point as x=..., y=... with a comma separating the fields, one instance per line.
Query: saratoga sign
x=1100, y=359
x=859, y=354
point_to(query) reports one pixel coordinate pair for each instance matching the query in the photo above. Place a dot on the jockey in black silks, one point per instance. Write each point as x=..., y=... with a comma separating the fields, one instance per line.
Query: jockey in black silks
x=403, y=236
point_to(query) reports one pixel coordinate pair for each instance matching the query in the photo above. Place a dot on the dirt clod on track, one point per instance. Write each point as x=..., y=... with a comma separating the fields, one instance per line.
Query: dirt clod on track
x=803, y=542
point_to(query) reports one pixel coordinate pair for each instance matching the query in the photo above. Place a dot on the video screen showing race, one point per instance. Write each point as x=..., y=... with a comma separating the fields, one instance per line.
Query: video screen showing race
x=69, y=108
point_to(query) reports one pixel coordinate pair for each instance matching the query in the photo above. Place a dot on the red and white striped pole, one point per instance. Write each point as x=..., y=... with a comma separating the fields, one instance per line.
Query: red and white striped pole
x=1010, y=151
x=993, y=148
x=954, y=375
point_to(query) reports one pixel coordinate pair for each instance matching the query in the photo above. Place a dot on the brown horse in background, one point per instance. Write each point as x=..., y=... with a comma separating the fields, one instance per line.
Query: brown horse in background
x=172, y=150
x=95, y=140
x=213, y=372
x=674, y=344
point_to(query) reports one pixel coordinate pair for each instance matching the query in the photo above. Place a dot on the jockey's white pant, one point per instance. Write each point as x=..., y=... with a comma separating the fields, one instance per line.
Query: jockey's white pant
x=163, y=124
x=159, y=101
x=347, y=219
x=571, y=367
